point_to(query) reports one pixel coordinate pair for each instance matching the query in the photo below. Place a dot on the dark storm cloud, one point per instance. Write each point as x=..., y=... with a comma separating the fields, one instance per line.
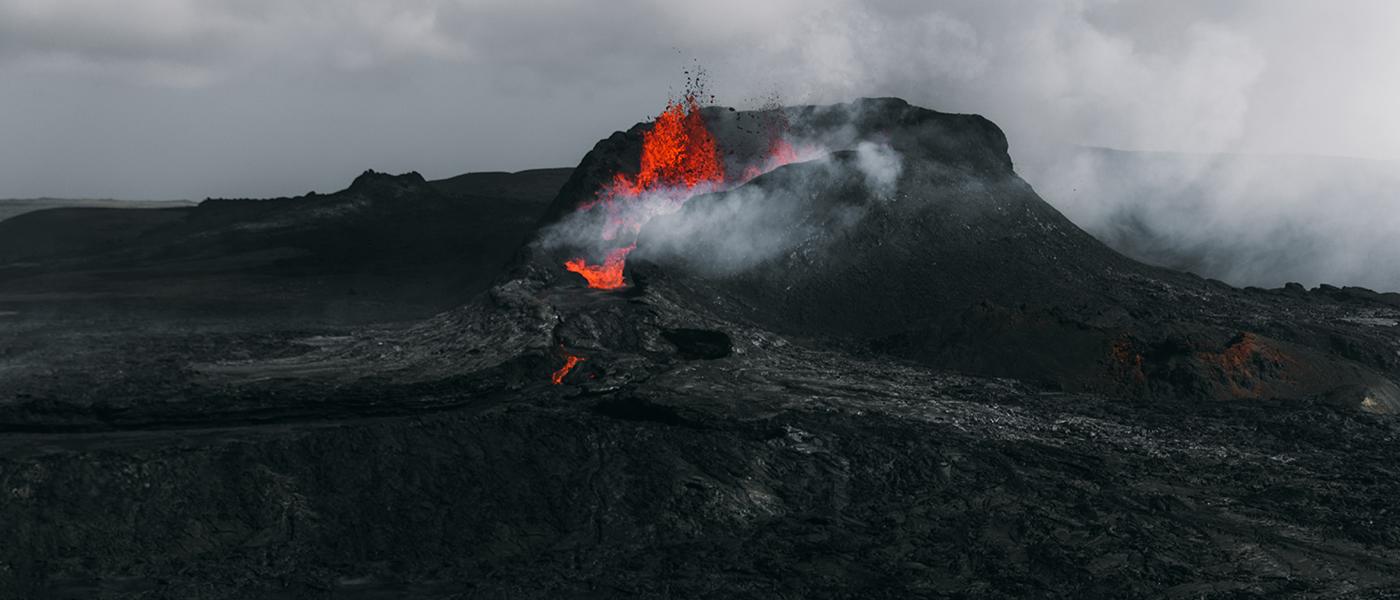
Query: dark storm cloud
x=186, y=98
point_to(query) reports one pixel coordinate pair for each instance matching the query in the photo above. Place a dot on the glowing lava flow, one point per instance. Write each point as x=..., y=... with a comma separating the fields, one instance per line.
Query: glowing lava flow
x=569, y=362
x=679, y=155
x=607, y=276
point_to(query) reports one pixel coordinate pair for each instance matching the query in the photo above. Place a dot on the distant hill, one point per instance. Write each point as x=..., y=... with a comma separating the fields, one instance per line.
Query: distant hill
x=387, y=246
x=12, y=207
x=529, y=184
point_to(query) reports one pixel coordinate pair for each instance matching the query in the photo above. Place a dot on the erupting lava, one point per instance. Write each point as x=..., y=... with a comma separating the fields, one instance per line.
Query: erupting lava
x=569, y=362
x=680, y=159
x=606, y=276
x=678, y=151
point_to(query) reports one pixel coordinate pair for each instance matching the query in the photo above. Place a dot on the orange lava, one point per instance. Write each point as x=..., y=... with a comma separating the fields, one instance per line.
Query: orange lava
x=678, y=151
x=607, y=276
x=569, y=362
x=680, y=158
x=678, y=154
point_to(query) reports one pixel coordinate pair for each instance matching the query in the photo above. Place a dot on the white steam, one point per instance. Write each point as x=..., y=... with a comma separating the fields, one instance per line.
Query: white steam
x=735, y=231
x=1248, y=220
x=720, y=232
x=880, y=165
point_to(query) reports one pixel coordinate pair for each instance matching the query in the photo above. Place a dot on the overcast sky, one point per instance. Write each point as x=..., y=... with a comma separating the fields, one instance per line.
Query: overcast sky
x=188, y=99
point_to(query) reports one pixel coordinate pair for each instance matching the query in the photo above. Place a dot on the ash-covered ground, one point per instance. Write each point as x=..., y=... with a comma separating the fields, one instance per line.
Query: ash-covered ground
x=886, y=370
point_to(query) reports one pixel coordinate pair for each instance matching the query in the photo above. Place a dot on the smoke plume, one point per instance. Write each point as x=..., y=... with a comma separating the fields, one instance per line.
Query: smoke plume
x=722, y=228
x=726, y=233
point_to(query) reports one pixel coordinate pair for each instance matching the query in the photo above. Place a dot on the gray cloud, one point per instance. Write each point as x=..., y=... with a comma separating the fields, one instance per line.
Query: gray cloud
x=1247, y=219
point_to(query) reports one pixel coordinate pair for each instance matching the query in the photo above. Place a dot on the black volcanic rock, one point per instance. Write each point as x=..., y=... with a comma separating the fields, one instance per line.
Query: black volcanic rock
x=386, y=244
x=530, y=185
x=75, y=230
x=372, y=178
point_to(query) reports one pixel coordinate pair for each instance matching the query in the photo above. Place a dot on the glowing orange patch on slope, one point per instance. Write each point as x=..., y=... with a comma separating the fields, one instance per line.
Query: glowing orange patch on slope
x=607, y=276
x=570, y=361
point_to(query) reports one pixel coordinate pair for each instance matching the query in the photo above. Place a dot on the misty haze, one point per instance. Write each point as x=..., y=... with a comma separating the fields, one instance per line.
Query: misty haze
x=826, y=299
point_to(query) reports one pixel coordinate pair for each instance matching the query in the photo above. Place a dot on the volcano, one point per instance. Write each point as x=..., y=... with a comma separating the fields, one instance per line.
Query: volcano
x=954, y=262
x=816, y=351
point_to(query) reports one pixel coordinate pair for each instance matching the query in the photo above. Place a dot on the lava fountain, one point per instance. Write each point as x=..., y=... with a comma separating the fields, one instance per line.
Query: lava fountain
x=680, y=159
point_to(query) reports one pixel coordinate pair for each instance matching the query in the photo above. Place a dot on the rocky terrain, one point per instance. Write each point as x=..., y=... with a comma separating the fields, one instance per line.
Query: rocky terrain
x=386, y=248
x=925, y=382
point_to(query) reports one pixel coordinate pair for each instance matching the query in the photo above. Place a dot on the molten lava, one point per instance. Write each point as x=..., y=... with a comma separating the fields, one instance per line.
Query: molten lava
x=569, y=362
x=680, y=159
x=607, y=276
x=678, y=151
x=679, y=154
